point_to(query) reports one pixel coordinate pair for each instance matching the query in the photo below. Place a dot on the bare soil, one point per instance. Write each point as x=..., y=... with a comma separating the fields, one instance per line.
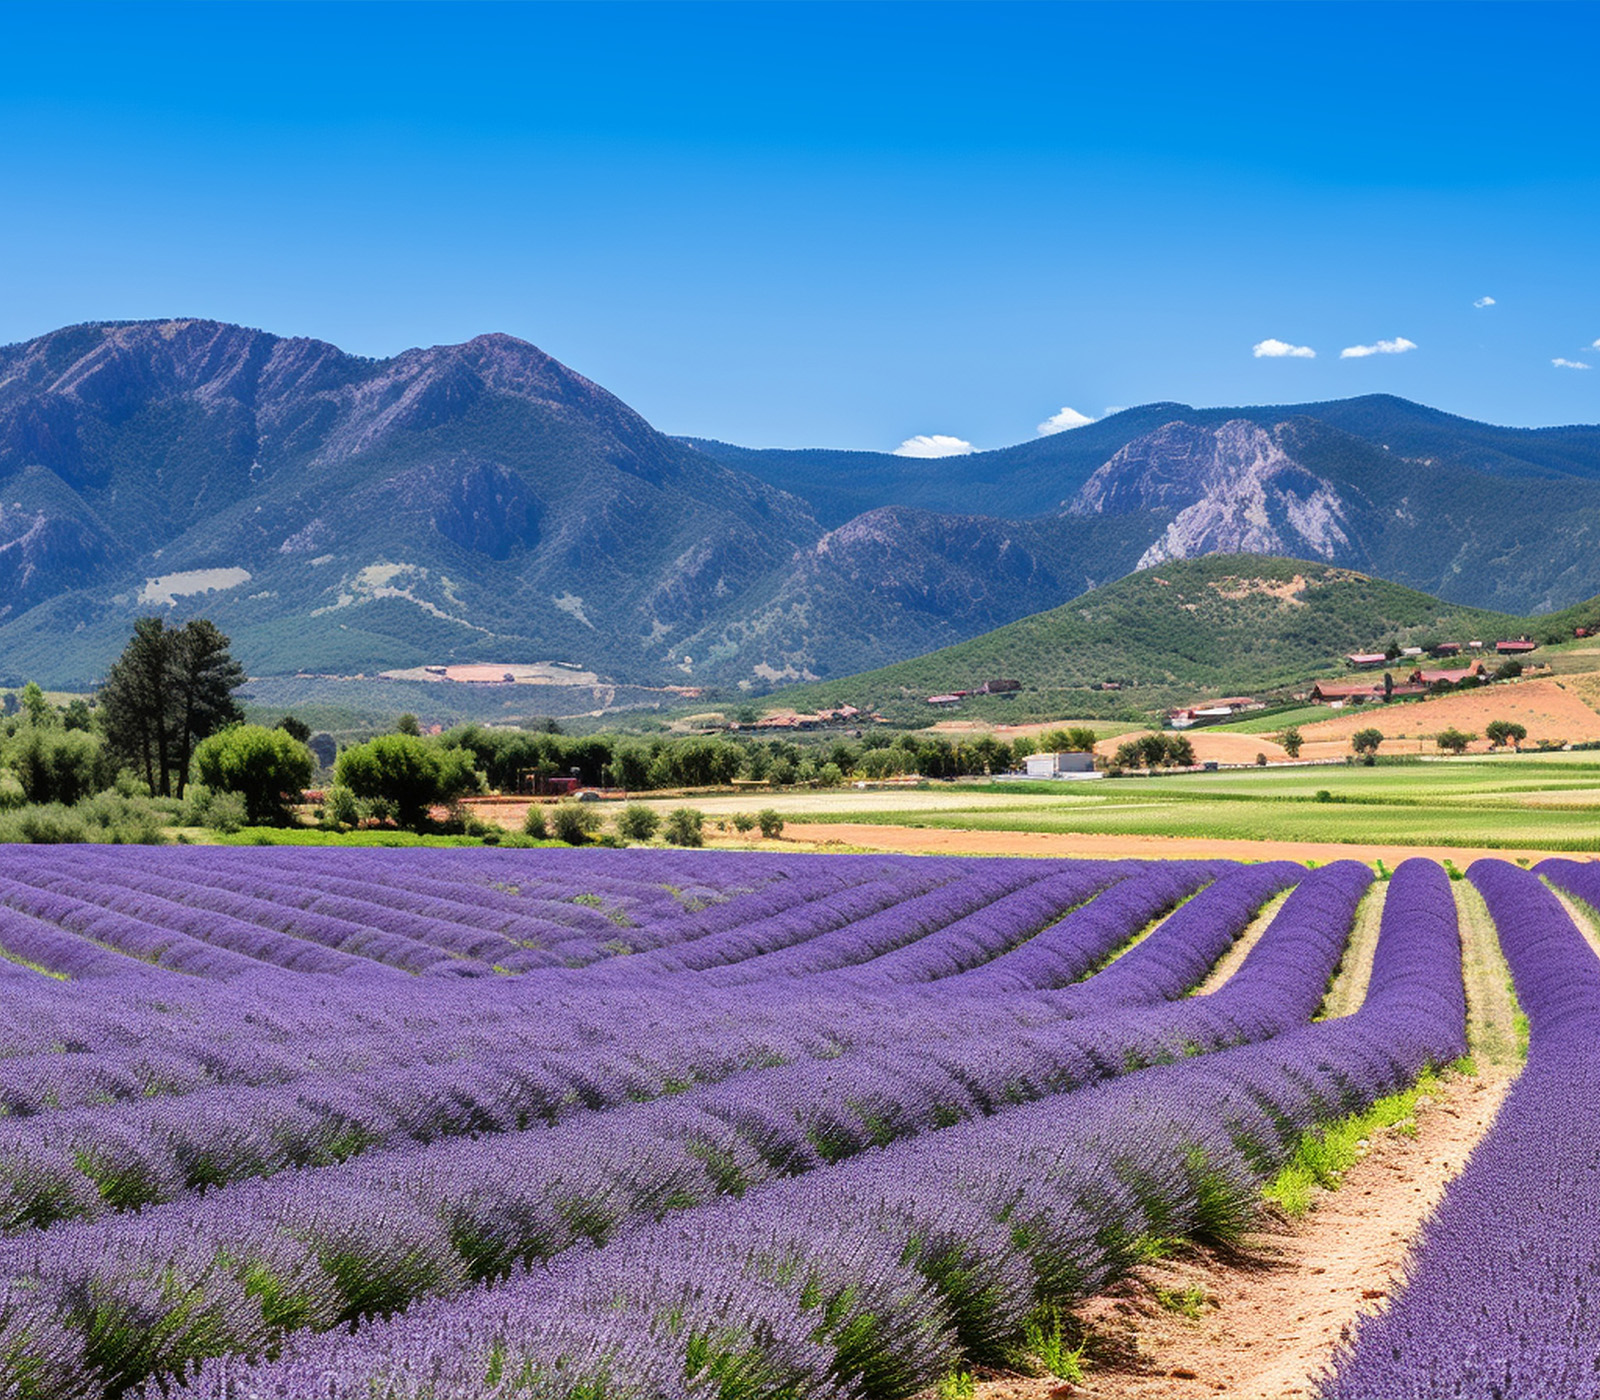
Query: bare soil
x=1211, y=746
x=1274, y=1309
x=1550, y=709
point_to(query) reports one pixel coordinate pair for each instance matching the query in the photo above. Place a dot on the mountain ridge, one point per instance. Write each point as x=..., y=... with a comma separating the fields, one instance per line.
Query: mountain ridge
x=484, y=502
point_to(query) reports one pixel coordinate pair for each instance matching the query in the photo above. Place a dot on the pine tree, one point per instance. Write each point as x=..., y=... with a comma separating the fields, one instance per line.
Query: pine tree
x=169, y=689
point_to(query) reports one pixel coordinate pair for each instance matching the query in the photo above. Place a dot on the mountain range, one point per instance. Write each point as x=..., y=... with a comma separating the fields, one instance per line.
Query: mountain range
x=483, y=502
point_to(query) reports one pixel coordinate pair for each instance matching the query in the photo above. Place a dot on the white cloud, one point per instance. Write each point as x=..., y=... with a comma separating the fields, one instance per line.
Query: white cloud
x=1482, y=302
x=1060, y=422
x=934, y=445
x=1281, y=350
x=1561, y=363
x=1398, y=346
x=1595, y=346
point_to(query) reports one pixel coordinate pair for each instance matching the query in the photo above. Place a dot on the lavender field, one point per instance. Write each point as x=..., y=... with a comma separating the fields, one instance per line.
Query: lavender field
x=617, y=1125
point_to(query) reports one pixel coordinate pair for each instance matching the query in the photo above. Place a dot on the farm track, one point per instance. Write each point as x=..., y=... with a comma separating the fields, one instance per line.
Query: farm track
x=1349, y=988
x=1276, y=1309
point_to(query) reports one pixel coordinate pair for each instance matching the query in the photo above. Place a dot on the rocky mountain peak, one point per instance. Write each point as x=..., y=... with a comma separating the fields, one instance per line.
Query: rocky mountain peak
x=1234, y=489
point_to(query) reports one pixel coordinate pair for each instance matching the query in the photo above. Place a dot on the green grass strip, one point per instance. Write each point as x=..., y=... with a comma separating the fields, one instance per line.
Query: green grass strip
x=1324, y=1154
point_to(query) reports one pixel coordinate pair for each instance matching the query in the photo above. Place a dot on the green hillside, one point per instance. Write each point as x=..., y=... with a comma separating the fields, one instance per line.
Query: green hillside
x=1224, y=624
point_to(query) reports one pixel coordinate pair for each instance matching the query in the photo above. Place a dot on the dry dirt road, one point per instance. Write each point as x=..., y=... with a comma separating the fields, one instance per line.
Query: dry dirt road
x=1267, y=1318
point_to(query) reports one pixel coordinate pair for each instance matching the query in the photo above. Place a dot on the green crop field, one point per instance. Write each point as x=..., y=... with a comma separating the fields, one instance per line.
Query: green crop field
x=1548, y=801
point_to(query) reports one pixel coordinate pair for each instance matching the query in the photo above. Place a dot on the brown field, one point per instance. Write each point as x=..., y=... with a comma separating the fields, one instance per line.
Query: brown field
x=1550, y=709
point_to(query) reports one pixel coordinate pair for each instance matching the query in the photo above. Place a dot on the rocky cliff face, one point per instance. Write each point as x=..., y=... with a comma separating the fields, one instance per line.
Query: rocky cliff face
x=1232, y=489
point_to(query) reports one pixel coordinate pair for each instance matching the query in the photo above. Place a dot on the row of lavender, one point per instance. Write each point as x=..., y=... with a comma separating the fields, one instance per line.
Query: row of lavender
x=875, y=1276
x=1503, y=1296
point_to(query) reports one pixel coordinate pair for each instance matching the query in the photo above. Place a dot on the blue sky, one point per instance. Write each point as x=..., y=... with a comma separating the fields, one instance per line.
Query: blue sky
x=832, y=223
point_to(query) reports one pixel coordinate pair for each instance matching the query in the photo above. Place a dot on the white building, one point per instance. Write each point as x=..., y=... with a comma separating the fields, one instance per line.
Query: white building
x=1058, y=765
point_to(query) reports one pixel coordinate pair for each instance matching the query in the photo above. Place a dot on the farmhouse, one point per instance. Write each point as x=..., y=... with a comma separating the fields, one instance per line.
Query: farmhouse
x=1328, y=693
x=1445, y=649
x=1450, y=677
x=1212, y=711
x=1520, y=647
x=1365, y=660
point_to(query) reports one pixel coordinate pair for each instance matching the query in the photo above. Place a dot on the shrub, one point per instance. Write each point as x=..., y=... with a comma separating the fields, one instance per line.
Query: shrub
x=535, y=825
x=830, y=775
x=1453, y=740
x=57, y=765
x=1291, y=740
x=683, y=827
x=1366, y=741
x=771, y=823
x=638, y=822
x=226, y=811
x=744, y=821
x=268, y=768
x=340, y=808
x=1261, y=760
x=573, y=822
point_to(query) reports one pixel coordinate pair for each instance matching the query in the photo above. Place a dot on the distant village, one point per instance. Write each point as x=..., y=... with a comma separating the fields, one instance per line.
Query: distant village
x=1421, y=680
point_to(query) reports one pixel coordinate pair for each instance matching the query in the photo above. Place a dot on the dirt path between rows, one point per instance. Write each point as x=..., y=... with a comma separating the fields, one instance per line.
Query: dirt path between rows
x=930, y=840
x=1274, y=1311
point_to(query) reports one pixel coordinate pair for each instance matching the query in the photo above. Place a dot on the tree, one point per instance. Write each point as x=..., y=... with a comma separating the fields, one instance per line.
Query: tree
x=1504, y=731
x=203, y=679
x=1508, y=670
x=1078, y=739
x=1290, y=740
x=407, y=771
x=1453, y=740
x=167, y=691
x=408, y=724
x=1366, y=741
x=1179, y=750
x=267, y=767
x=295, y=728
x=36, y=708
x=57, y=765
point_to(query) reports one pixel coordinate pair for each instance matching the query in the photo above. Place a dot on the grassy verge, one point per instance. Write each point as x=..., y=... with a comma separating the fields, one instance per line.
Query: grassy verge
x=1324, y=1154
